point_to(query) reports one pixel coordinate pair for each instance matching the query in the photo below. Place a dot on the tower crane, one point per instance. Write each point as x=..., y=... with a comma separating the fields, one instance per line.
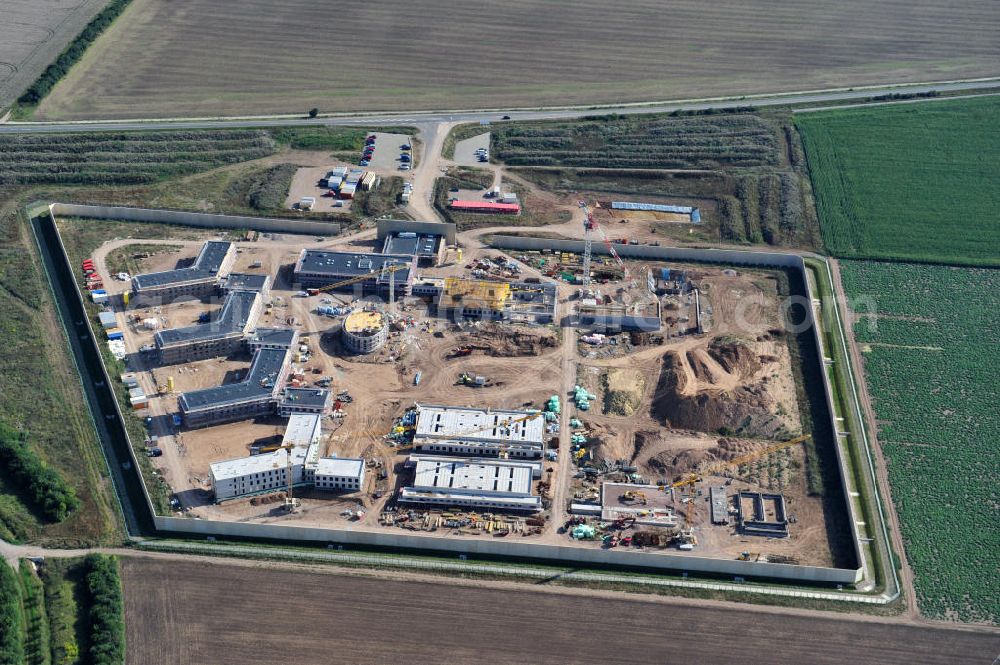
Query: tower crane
x=589, y=225
x=389, y=269
x=691, y=479
x=291, y=503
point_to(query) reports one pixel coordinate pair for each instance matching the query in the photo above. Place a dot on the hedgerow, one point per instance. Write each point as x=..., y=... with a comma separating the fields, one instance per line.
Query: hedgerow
x=107, y=611
x=43, y=484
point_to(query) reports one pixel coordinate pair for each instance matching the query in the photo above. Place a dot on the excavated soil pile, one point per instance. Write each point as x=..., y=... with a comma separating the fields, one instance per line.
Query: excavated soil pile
x=747, y=409
x=503, y=342
x=734, y=356
x=623, y=390
x=674, y=463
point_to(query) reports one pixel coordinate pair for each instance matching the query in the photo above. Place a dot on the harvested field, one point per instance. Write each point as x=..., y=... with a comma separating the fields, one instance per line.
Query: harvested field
x=202, y=609
x=31, y=36
x=202, y=58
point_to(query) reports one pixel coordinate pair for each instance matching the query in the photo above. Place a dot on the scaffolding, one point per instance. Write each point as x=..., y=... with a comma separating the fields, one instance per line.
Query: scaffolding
x=467, y=292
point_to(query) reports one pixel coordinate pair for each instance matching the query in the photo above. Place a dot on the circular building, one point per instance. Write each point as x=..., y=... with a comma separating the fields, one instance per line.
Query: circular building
x=365, y=332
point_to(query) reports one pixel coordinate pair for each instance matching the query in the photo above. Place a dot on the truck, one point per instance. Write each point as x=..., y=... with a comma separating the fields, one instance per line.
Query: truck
x=307, y=202
x=416, y=378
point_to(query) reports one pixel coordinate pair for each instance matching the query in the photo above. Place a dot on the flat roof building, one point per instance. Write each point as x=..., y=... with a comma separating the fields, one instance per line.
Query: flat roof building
x=273, y=338
x=427, y=249
x=319, y=268
x=222, y=335
x=267, y=472
x=491, y=484
x=245, y=281
x=479, y=432
x=256, y=395
x=486, y=206
x=196, y=281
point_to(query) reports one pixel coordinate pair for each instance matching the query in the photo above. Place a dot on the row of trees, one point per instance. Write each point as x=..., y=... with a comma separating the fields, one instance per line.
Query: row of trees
x=11, y=621
x=40, y=482
x=107, y=610
x=72, y=53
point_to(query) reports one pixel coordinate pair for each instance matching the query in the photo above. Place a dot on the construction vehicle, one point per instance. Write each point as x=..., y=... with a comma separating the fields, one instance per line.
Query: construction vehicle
x=635, y=496
x=749, y=556
x=589, y=225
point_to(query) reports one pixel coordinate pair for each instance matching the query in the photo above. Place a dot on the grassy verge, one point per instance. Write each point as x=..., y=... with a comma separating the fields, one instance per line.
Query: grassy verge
x=43, y=396
x=65, y=602
x=37, y=645
x=11, y=618
x=666, y=583
x=130, y=257
x=843, y=390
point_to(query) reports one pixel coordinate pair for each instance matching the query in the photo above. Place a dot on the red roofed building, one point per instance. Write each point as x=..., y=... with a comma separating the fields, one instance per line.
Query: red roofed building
x=486, y=206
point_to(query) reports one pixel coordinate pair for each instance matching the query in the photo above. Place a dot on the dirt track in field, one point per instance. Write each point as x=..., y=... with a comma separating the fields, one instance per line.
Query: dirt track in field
x=203, y=57
x=182, y=612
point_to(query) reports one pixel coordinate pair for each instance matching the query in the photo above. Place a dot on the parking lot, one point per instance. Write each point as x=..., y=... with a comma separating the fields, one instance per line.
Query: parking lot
x=385, y=159
x=465, y=151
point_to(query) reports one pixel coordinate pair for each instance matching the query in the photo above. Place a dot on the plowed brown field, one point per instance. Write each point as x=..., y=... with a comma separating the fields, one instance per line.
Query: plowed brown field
x=182, y=613
x=204, y=57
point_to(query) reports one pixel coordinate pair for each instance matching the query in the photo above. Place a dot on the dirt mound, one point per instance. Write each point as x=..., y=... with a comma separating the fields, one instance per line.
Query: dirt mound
x=747, y=410
x=504, y=342
x=699, y=367
x=671, y=464
x=623, y=390
x=734, y=356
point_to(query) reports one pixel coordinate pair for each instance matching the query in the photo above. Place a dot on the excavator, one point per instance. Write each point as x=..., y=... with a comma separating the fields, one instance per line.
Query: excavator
x=635, y=496
x=687, y=536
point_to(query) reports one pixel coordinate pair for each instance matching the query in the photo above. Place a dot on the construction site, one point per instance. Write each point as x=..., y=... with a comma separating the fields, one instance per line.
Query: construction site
x=415, y=384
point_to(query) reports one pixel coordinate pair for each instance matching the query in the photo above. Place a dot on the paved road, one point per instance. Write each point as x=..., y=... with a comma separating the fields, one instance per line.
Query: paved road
x=211, y=614
x=369, y=119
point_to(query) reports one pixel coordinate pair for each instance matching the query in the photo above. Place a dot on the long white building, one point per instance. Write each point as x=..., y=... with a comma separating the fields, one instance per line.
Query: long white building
x=456, y=430
x=493, y=484
x=259, y=474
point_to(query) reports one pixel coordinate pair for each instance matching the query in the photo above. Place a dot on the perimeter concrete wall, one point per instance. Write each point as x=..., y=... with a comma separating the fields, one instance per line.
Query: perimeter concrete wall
x=726, y=257
x=560, y=554
x=266, y=224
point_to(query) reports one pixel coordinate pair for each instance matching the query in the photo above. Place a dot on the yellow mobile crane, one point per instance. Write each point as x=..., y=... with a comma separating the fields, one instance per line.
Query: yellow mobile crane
x=691, y=479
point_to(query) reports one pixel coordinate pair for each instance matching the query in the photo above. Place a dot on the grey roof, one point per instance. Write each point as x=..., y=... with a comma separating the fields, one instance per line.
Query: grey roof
x=209, y=260
x=261, y=381
x=312, y=397
x=245, y=281
x=273, y=336
x=413, y=244
x=232, y=318
x=348, y=264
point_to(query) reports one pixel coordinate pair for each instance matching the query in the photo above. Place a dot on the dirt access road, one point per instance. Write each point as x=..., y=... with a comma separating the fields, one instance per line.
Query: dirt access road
x=207, y=612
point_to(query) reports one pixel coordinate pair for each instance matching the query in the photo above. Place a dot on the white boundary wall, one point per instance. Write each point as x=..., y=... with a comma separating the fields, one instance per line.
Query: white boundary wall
x=267, y=224
x=555, y=553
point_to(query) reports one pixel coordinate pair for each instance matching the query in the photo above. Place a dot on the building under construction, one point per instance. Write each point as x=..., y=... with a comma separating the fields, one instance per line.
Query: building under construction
x=300, y=455
x=261, y=393
x=316, y=269
x=365, y=331
x=221, y=335
x=457, y=430
x=199, y=280
x=460, y=299
x=488, y=484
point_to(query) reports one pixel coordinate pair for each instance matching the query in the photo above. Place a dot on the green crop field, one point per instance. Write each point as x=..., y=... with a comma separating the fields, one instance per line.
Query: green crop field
x=913, y=182
x=929, y=343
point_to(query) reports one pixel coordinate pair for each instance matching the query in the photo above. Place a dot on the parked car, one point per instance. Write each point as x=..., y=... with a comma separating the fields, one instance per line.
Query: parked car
x=405, y=146
x=155, y=452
